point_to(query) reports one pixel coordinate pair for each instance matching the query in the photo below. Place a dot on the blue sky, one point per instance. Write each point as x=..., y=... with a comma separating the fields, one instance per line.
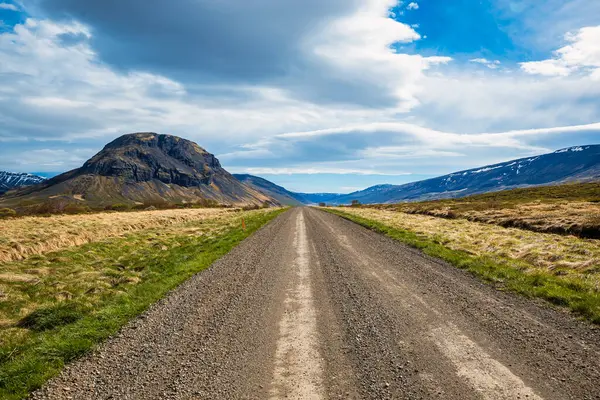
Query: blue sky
x=317, y=96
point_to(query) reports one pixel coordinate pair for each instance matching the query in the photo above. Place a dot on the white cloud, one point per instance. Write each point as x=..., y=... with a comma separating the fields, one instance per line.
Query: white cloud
x=53, y=91
x=433, y=139
x=314, y=171
x=464, y=102
x=50, y=160
x=488, y=63
x=46, y=80
x=7, y=6
x=546, y=68
x=392, y=111
x=358, y=49
x=583, y=53
x=390, y=149
x=412, y=6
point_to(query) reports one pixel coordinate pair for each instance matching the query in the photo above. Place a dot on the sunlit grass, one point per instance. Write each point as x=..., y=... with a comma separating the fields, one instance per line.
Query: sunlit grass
x=27, y=236
x=56, y=306
x=566, y=209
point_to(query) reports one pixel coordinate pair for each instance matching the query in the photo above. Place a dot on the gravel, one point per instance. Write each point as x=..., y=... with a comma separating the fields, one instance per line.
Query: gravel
x=391, y=323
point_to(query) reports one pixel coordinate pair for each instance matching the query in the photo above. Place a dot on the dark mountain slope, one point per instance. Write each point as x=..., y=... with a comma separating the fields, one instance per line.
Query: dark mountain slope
x=279, y=193
x=283, y=195
x=143, y=168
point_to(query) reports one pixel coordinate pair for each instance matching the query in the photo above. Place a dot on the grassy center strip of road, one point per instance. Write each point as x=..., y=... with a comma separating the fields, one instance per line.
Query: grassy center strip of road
x=574, y=292
x=126, y=276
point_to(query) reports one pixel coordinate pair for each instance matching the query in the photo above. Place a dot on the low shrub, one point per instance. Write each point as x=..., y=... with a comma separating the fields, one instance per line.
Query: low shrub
x=118, y=207
x=7, y=213
x=76, y=209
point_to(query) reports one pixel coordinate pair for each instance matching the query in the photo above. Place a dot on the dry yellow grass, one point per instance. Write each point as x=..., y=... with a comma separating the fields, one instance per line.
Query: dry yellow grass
x=577, y=217
x=103, y=267
x=566, y=209
x=24, y=237
x=55, y=306
x=549, y=252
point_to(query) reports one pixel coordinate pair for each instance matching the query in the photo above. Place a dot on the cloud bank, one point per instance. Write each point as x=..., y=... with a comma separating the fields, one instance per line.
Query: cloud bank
x=336, y=87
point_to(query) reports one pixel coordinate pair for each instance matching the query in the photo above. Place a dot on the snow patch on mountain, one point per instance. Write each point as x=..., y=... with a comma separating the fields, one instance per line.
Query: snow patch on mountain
x=13, y=180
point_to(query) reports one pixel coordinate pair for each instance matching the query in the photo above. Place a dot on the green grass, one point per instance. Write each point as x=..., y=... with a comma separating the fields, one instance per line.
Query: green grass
x=60, y=331
x=505, y=273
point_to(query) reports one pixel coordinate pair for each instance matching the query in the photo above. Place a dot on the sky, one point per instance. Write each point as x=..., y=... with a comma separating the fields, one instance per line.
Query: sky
x=318, y=96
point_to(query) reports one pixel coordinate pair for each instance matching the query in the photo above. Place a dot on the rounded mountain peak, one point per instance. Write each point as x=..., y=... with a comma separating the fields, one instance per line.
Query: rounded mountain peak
x=146, y=156
x=151, y=139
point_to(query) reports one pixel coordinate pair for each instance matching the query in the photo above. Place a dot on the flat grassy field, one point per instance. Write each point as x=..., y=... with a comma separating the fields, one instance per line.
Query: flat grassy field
x=76, y=280
x=565, y=209
x=26, y=236
x=564, y=270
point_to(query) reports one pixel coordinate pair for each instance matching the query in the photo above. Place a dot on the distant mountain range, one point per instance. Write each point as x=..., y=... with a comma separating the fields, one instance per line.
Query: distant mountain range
x=14, y=180
x=573, y=164
x=141, y=168
x=283, y=195
x=144, y=168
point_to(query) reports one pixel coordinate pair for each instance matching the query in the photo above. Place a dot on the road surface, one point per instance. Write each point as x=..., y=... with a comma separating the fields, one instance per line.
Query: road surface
x=315, y=307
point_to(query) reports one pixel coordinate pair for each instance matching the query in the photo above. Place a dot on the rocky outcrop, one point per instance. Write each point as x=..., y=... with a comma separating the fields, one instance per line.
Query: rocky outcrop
x=145, y=168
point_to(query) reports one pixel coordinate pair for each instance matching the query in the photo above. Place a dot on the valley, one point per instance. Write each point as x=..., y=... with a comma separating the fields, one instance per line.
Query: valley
x=578, y=164
x=300, y=200
x=199, y=283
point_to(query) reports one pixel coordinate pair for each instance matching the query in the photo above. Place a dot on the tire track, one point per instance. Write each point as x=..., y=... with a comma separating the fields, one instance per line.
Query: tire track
x=316, y=307
x=298, y=369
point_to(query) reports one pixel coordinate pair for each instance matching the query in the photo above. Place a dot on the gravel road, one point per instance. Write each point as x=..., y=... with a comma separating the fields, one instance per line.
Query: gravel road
x=316, y=307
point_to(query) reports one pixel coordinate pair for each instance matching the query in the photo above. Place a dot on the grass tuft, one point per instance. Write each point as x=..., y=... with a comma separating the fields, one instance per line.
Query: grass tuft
x=52, y=317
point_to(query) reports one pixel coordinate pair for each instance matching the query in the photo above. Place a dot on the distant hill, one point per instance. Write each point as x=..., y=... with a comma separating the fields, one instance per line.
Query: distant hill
x=279, y=193
x=14, y=180
x=142, y=168
x=316, y=198
x=574, y=164
x=283, y=195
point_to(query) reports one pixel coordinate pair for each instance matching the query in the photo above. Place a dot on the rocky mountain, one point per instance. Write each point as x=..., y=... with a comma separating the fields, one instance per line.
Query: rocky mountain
x=143, y=168
x=13, y=180
x=574, y=164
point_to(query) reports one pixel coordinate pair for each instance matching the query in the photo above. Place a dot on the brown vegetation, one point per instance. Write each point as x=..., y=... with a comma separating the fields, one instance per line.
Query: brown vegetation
x=26, y=236
x=572, y=209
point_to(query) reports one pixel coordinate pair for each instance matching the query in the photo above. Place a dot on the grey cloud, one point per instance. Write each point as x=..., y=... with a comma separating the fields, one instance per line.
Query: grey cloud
x=398, y=151
x=225, y=42
x=18, y=120
x=200, y=39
